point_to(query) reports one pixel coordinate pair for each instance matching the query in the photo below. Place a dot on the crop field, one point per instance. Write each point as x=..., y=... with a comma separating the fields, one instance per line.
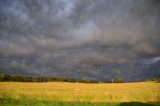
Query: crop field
x=79, y=94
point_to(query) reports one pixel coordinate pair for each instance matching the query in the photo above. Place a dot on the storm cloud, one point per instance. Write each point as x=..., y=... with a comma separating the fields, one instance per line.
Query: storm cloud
x=78, y=33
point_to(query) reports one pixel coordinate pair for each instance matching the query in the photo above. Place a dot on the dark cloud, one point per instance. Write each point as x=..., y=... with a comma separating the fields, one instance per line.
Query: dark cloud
x=80, y=32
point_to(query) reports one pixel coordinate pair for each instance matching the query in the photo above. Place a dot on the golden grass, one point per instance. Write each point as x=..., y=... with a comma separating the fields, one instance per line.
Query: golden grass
x=63, y=91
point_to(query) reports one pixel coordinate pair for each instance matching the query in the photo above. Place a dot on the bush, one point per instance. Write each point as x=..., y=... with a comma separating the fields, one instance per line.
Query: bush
x=118, y=80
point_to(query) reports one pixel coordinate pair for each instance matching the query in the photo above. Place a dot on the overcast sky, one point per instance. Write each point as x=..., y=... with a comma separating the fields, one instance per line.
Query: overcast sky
x=80, y=31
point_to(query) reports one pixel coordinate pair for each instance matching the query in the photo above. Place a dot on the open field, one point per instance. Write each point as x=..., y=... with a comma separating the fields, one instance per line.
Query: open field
x=61, y=93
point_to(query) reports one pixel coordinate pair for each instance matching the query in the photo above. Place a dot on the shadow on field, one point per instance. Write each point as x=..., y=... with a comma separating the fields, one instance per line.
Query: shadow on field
x=135, y=104
x=27, y=102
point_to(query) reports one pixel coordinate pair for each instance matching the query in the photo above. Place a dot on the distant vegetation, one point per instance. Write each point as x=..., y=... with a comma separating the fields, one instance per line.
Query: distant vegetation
x=118, y=80
x=154, y=79
x=18, y=78
x=15, y=78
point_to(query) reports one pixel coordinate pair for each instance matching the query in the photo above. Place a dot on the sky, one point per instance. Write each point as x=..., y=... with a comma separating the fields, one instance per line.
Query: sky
x=46, y=35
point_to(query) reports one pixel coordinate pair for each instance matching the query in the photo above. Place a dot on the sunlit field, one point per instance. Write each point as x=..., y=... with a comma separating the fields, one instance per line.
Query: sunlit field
x=63, y=93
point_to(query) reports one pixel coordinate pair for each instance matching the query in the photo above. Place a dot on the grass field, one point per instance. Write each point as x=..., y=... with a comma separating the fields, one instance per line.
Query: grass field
x=79, y=94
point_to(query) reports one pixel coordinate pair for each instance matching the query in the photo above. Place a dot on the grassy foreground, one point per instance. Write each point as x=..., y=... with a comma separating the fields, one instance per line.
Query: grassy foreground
x=79, y=94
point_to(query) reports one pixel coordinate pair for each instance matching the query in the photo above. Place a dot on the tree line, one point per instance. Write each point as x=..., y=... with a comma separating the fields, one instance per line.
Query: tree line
x=16, y=78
